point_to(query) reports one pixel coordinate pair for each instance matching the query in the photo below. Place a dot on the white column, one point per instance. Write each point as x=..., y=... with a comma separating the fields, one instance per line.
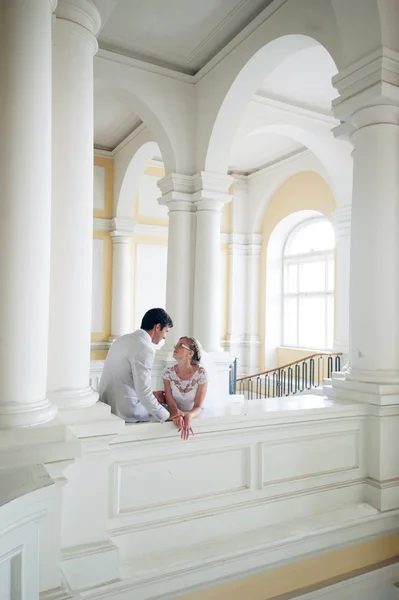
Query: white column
x=254, y=242
x=236, y=300
x=25, y=199
x=74, y=46
x=342, y=227
x=237, y=272
x=176, y=195
x=372, y=376
x=210, y=196
x=374, y=288
x=121, y=315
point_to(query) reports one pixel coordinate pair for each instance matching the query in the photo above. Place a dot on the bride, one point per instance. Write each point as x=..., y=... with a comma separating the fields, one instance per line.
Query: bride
x=185, y=385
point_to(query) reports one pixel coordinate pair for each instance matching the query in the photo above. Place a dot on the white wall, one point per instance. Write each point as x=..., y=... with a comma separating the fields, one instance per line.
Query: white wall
x=148, y=194
x=150, y=279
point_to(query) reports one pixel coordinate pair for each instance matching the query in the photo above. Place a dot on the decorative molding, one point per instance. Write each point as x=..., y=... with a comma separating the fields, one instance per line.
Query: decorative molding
x=374, y=79
x=102, y=224
x=280, y=163
x=122, y=229
x=242, y=243
x=60, y=593
x=104, y=54
x=214, y=183
x=250, y=29
x=255, y=559
x=98, y=151
x=177, y=192
x=100, y=346
x=176, y=182
x=81, y=12
x=135, y=133
x=295, y=109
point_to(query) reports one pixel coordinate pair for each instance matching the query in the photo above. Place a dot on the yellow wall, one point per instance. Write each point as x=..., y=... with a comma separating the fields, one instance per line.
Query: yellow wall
x=107, y=295
x=225, y=289
x=309, y=574
x=225, y=226
x=108, y=164
x=304, y=191
x=289, y=355
x=106, y=213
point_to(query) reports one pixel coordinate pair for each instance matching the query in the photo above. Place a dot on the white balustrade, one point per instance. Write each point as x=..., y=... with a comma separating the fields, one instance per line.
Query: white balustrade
x=25, y=496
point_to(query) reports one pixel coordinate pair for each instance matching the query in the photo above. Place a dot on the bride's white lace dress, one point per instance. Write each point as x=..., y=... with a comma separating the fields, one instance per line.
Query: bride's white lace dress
x=184, y=390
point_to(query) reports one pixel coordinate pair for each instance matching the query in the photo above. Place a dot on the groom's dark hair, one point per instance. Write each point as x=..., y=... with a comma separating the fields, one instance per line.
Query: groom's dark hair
x=156, y=316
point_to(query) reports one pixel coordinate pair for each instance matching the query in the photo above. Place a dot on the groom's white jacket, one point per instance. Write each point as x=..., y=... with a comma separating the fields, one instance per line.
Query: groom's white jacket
x=126, y=380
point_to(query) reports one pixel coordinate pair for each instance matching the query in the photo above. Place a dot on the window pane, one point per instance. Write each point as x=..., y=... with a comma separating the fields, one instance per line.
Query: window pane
x=291, y=279
x=312, y=322
x=312, y=276
x=330, y=280
x=313, y=236
x=290, y=322
x=330, y=321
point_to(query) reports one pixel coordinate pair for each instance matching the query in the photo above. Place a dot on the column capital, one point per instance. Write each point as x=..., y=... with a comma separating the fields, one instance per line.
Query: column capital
x=211, y=191
x=122, y=230
x=82, y=13
x=177, y=190
x=370, y=83
x=341, y=219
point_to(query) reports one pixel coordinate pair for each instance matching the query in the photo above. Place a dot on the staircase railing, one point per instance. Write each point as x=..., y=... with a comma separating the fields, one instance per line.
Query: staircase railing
x=299, y=376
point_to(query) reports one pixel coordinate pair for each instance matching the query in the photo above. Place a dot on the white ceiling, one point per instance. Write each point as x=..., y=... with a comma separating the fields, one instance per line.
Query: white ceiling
x=167, y=32
x=181, y=34
x=256, y=151
x=302, y=80
x=113, y=117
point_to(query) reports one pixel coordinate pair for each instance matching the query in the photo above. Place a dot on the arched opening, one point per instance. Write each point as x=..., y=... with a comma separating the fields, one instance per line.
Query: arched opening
x=289, y=59
x=276, y=113
x=139, y=161
x=308, y=285
x=303, y=198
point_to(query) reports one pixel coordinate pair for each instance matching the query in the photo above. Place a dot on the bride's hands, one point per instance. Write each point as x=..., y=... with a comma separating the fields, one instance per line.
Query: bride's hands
x=183, y=424
x=178, y=420
x=187, y=429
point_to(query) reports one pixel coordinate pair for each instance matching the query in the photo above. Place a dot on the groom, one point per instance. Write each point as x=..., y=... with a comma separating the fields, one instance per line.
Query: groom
x=126, y=380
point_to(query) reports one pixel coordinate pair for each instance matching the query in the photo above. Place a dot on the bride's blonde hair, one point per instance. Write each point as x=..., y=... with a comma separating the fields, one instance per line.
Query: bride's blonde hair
x=195, y=348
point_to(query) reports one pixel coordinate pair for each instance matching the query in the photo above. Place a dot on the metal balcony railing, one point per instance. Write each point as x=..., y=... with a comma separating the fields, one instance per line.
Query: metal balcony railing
x=290, y=379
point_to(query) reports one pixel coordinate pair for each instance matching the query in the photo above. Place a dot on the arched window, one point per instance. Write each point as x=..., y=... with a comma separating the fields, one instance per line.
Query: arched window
x=308, y=286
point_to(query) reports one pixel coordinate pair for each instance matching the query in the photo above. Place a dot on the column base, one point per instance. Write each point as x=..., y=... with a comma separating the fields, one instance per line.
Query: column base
x=218, y=364
x=380, y=434
x=47, y=443
x=92, y=421
x=74, y=399
x=27, y=415
x=366, y=392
